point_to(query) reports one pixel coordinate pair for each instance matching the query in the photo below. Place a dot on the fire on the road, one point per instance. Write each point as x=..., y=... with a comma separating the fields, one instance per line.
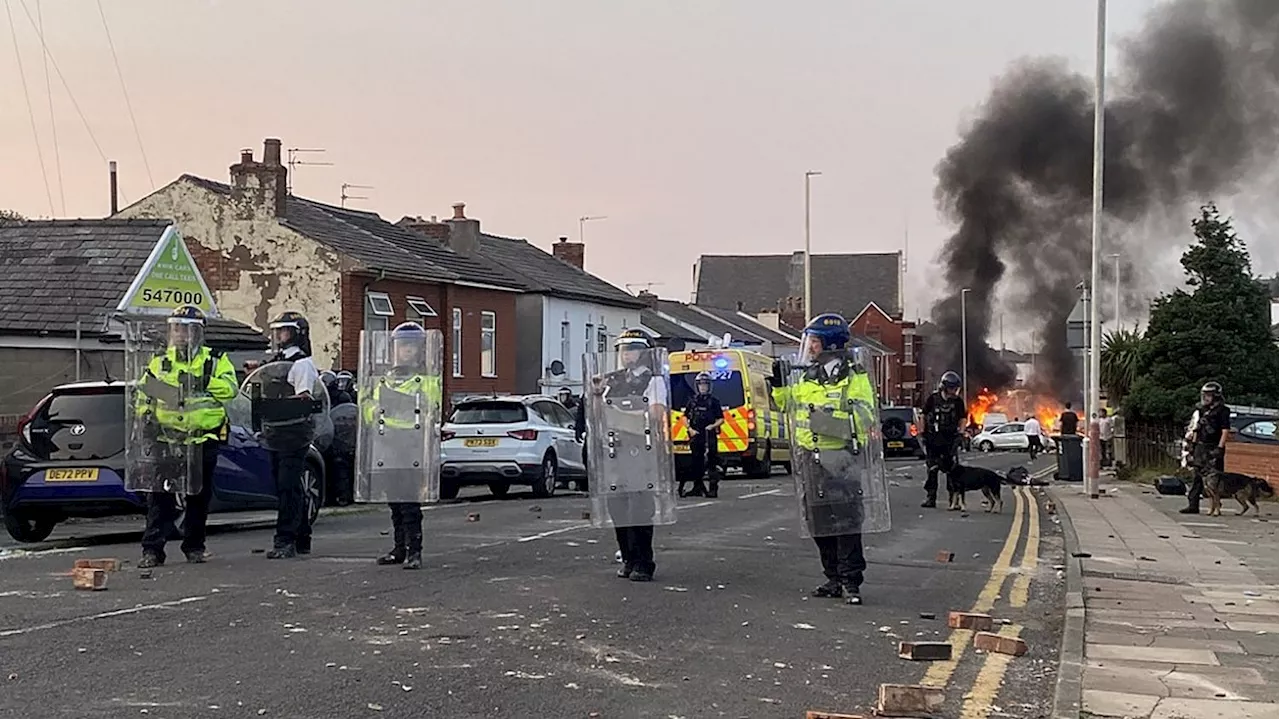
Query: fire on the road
x=1015, y=403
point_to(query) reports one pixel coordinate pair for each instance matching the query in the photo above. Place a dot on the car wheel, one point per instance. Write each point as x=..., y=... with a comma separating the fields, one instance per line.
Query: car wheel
x=757, y=469
x=28, y=528
x=499, y=489
x=545, y=485
x=449, y=489
x=312, y=491
x=986, y=446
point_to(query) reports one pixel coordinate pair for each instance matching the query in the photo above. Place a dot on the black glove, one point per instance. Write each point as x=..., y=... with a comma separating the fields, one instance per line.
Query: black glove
x=781, y=368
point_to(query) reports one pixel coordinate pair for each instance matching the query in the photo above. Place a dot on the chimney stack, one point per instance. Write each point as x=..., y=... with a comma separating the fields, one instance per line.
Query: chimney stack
x=464, y=232
x=573, y=253
x=647, y=297
x=115, y=187
x=271, y=152
x=459, y=210
x=261, y=185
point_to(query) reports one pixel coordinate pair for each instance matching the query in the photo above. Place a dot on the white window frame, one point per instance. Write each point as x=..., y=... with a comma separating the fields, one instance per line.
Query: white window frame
x=455, y=330
x=909, y=350
x=371, y=304
x=489, y=318
x=419, y=307
x=602, y=340
x=565, y=342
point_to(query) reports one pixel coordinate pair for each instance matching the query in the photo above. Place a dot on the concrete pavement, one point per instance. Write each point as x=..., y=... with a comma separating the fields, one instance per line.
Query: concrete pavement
x=518, y=615
x=1179, y=612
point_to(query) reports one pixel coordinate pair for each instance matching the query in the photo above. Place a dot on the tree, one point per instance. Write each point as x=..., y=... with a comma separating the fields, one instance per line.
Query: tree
x=1219, y=331
x=1121, y=354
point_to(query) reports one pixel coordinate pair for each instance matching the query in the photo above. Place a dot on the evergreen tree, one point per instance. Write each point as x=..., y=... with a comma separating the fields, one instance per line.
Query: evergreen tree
x=1220, y=331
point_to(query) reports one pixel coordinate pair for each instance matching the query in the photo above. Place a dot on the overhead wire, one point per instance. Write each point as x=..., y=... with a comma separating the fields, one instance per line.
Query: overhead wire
x=53, y=119
x=66, y=86
x=31, y=113
x=127, y=103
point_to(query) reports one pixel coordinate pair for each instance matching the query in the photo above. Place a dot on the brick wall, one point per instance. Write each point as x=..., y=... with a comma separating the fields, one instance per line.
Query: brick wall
x=1255, y=460
x=889, y=333
x=354, y=288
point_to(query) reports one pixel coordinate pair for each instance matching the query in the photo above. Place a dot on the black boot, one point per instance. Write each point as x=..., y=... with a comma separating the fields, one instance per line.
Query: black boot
x=641, y=576
x=830, y=590
x=713, y=489
x=197, y=556
x=929, y=503
x=149, y=560
x=852, y=595
x=1190, y=509
x=626, y=571
x=287, y=551
x=395, y=556
x=413, y=561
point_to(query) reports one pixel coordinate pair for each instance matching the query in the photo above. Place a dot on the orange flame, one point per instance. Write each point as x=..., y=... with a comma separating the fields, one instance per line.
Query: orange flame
x=986, y=402
x=1016, y=404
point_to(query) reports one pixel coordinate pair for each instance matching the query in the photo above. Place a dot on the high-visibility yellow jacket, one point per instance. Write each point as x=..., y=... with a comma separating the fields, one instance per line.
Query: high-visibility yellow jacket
x=205, y=383
x=851, y=392
x=428, y=387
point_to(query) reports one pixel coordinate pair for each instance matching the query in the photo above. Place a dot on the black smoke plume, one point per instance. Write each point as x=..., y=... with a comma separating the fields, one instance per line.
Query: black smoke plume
x=1191, y=114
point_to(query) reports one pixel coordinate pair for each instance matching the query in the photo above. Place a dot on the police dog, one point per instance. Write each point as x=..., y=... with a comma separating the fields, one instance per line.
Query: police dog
x=1244, y=488
x=961, y=479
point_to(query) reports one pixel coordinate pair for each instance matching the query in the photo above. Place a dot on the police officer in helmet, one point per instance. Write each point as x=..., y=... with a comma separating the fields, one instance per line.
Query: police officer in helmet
x=205, y=381
x=1209, y=443
x=944, y=416
x=704, y=415
x=291, y=338
x=407, y=377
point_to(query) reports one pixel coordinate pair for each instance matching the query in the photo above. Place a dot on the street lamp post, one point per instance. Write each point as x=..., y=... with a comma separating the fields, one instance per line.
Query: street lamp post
x=964, y=344
x=584, y=220
x=808, y=265
x=1095, y=331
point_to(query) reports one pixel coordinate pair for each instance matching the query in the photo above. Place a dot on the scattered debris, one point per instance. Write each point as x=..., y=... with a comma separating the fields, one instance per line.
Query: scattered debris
x=535, y=508
x=928, y=615
x=946, y=557
x=909, y=700
x=586, y=514
x=830, y=715
x=473, y=516
x=374, y=707
x=1050, y=507
x=988, y=642
x=802, y=625
x=924, y=651
x=1081, y=555
x=89, y=579
x=106, y=565
x=969, y=620
x=1144, y=558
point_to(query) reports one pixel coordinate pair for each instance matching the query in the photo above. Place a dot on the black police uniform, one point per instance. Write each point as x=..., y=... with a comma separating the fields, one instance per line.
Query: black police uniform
x=701, y=411
x=635, y=542
x=1207, y=457
x=942, y=417
x=288, y=463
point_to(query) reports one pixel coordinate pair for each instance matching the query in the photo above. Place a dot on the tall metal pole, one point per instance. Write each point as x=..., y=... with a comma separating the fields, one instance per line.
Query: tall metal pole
x=1116, y=257
x=808, y=263
x=1095, y=330
x=584, y=220
x=964, y=344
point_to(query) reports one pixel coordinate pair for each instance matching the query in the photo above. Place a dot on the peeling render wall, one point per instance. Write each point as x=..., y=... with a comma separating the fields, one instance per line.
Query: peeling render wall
x=254, y=265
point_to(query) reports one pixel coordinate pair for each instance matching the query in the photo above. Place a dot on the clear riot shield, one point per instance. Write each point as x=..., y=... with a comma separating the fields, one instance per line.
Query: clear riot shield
x=398, y=435
x=160, y=453
x=836, y=450
x=268, y=406
x=346, y=419
x=630, y=466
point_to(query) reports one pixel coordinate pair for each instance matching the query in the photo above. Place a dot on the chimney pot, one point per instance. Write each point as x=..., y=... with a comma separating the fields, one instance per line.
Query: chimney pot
x=433, y=218
x=271, y=152
x=459, y=210
x=246, y=156
x=564, y=239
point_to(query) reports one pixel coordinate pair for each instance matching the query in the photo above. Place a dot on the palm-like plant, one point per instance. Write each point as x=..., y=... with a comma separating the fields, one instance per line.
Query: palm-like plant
x=1119, y=361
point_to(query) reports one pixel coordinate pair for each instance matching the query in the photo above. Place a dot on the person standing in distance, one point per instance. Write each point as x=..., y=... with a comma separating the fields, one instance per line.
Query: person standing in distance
x=291, y=335
x=208, y=378
x=704, y=414
x=409, y=380
x=1208, y=443
x=1032, y=429
x=944, y=419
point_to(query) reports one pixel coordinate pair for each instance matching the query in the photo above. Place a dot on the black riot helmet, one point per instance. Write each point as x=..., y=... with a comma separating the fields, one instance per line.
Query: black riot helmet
x=1211, y=392
x=702, y=383
x=291, y=329
x=950, y=383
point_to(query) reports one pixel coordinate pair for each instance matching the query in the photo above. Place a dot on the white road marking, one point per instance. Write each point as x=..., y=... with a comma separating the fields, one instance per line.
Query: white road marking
x=761, y=494
x=103, y=615
x=550, y=532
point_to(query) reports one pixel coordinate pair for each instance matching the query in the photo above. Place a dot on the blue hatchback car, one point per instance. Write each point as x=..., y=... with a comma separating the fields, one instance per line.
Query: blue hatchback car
x=69, y=462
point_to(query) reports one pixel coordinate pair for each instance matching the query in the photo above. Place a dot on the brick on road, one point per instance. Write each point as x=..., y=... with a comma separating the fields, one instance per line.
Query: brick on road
x=106, y=565
x=909, y=700
x=925, y=651
x=88, y=579
x=989, y=642
x=970, y=620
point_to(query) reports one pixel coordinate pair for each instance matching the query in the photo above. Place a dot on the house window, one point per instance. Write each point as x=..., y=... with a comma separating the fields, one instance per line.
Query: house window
x=602, y=339
x=564, y=341
x=591, y=332
x=418, y=311
x=457, y=342
x=909, y=350
x=488, y=344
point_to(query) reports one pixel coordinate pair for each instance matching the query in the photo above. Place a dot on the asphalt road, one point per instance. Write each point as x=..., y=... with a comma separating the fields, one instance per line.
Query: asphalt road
x=519, y=615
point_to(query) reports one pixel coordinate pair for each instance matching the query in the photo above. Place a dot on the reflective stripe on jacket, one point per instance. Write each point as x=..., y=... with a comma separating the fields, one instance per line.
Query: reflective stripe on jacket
x=852, y=391
x=202, y=414
x=428, y=387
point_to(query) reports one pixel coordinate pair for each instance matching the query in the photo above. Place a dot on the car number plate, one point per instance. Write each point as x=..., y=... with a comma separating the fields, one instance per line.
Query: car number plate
x=71, y=475
x=895, y=445
x=484, y=442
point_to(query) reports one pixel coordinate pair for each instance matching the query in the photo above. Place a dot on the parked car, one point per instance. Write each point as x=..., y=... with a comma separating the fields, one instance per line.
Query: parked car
x=1008, y=436
x=1253, y=429
x=69, y=462
x=900, y=427
x=505, y=441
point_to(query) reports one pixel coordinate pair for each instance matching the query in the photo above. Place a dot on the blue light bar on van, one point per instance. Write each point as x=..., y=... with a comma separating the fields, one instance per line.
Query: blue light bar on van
x=720, y=362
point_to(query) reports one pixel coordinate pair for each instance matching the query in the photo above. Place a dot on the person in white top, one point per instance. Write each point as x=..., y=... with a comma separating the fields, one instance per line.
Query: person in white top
x=291, y=334
x=1106, y=435
x=1034, y=444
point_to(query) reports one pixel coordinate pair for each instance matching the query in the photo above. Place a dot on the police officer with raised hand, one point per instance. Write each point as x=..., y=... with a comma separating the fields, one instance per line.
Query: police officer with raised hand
x=630, y=465
x=944, y=416
x=1208, y=443
x=830, y=402
x=705, y=415
x=179, y=403
x=397, y=445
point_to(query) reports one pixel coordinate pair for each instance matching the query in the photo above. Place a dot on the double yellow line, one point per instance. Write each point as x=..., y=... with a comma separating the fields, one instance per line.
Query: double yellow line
x=980, y=699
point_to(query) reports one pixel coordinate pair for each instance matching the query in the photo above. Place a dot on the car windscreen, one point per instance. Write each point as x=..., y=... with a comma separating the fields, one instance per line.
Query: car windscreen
x=726, y=386
x=81, y=425
x=489, y=413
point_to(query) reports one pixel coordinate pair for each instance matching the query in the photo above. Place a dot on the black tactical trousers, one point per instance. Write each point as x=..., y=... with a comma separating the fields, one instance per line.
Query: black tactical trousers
x=293, y=528
x=162, y=509
x=406, y=523
x=940, y=455
x=842, y=559
x=635, y=542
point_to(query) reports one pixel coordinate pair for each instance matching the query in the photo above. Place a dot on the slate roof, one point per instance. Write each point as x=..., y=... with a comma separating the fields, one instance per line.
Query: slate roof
x=749, y=324
x=841, y=283
x=55, y=272
x=688, y=315
x=381, y=246
x=666, y=329
x=543, y=272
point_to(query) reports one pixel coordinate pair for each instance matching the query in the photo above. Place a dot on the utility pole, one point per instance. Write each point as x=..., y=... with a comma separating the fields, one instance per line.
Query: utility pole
x=808, y=260
x=964, y=344
x=1092, y=463
x=293, y=162
x=348, y=186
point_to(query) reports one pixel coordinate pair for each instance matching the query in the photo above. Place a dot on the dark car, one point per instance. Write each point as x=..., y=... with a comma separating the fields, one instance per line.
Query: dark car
x=1253, y=428
x=900, y=428
x=69, y=462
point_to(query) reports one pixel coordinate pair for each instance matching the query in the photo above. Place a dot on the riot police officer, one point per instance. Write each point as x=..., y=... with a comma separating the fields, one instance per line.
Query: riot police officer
x=1209, y=443
x=831, y=401
x=944, y=413
x=291, y=338
x=704, y=414
x=201, y=381
x=407, y=381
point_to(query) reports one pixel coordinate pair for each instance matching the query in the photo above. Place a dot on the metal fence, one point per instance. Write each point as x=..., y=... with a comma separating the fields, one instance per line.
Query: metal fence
x=1150, y=446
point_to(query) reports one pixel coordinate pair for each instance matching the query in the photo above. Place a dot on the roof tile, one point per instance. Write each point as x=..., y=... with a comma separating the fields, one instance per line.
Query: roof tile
x=841, y=283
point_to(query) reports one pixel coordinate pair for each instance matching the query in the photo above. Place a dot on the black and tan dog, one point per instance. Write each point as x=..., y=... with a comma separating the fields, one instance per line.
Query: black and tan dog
x=961, y=479
x=1244, y=488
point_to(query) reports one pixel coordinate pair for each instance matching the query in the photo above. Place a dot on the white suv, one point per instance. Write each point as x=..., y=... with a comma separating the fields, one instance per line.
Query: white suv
x=501, y=441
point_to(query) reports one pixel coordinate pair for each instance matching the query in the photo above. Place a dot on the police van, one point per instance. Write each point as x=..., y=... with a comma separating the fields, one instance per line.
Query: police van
x=753, y=437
